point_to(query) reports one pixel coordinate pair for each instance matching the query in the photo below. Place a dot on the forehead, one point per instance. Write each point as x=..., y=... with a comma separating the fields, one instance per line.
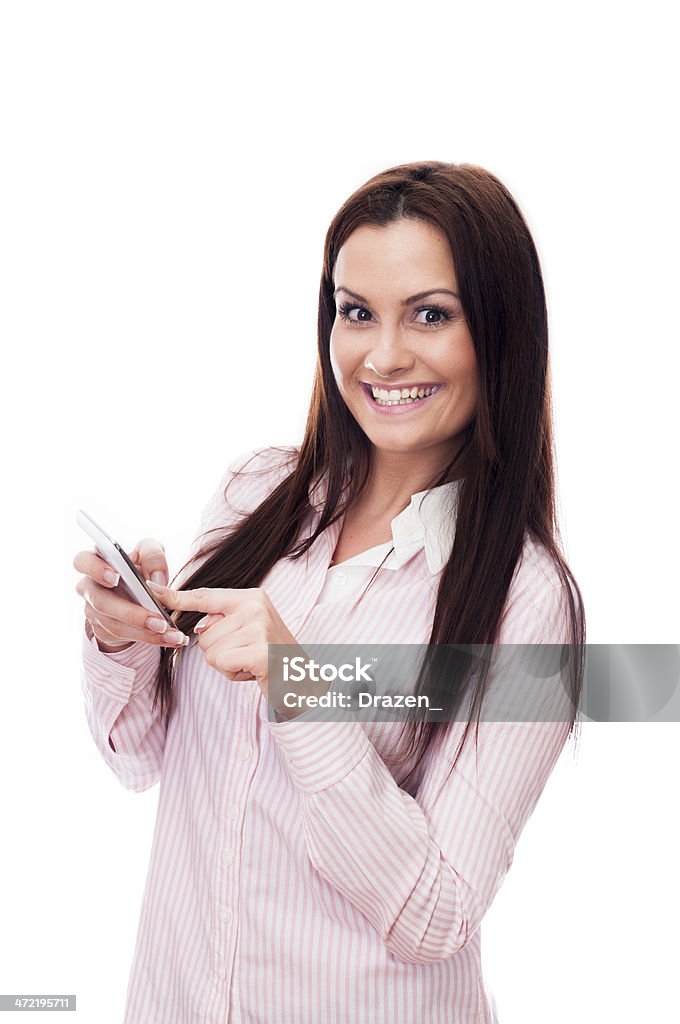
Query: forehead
x=404, y=254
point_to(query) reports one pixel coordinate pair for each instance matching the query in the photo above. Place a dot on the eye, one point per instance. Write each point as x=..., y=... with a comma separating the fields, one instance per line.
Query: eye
x=363, y=315
x=344, y=310
x=439, y=312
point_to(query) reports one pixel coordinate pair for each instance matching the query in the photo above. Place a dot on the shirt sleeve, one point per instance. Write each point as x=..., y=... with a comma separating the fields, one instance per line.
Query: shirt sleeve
x=425, y=869
x=118, y=692
x=118, y=687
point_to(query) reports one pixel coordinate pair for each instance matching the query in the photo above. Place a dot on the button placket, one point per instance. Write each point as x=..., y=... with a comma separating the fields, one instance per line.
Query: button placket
x=243, y=761
x=318, y=559
x=227, y=889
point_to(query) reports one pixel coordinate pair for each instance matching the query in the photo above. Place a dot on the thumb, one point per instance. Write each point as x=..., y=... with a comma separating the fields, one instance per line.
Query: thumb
x=207, y=620
x=148, y=556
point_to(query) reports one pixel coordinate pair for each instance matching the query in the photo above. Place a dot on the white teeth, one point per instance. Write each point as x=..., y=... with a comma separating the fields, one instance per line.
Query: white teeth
x=404, y=396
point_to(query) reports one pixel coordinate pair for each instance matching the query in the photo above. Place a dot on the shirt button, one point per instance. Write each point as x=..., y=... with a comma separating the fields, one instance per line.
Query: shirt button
x=340, y=578
x=250, y=696
x=227, y=857
x=245, y=753
x=225, y=914
x=221, y=971
x=232, y=812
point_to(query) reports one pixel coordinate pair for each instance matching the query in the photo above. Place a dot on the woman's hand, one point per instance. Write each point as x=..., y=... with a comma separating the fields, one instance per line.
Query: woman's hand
x=116, y=621
x=235, y=634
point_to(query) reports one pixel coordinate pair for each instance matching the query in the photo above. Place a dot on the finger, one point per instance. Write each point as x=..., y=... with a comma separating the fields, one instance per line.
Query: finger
x=221, y=638
x=114, y=631
x=102, y=633
x=104, y=637
x=152, y=561
x=245, y=662
x=205, y=599
x=92, y=565
x=224, y=657
x=109, y=603
x=207, y=621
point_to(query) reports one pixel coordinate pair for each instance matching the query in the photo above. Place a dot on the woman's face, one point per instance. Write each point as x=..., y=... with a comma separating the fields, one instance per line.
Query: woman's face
x=399, y=326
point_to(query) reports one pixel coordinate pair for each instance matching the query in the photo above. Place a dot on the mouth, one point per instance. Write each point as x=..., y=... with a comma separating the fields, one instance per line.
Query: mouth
x=400, y=400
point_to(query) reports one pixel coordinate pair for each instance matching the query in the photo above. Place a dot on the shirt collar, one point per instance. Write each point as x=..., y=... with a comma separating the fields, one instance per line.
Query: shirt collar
x=428, y=522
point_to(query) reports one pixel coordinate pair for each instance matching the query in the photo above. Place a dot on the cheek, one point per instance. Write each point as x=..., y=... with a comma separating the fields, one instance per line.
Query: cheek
x=472, y=390
x=470, y=384
x=458, y=360
x=333, y=348
x=463, y=370
x=336, y=363
x=341, y=355
x=468, y=368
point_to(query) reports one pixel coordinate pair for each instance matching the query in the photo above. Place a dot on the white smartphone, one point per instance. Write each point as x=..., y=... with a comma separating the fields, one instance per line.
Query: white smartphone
x=131, y=583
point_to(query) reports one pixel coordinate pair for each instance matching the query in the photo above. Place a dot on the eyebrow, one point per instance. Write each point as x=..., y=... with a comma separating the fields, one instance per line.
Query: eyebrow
x=411, y=298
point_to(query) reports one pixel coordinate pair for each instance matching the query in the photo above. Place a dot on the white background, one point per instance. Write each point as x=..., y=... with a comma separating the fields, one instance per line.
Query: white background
x=168, y=175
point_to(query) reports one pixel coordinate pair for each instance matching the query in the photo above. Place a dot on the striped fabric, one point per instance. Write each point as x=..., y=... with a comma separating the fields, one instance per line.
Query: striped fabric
x=292, y=879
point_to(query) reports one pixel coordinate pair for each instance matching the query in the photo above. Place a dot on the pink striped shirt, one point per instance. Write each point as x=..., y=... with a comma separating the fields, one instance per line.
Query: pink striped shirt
x=292, y=880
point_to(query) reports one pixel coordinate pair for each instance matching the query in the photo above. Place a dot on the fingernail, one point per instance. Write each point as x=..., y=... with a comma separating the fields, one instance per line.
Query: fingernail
x=201, y=623
x=175, y=637
x=158, y=577
x=158, y=625
x=111, y=577
x=154, y=585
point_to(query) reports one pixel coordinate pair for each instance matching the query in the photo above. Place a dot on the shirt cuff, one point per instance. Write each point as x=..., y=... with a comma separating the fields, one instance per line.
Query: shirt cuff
x=119, y=673
x=319, y=752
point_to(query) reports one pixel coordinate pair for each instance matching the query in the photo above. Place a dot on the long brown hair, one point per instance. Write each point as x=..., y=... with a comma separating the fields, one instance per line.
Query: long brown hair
x=507, y=449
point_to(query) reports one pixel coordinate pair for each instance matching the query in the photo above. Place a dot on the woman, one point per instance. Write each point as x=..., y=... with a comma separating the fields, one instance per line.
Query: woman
x=314, y=869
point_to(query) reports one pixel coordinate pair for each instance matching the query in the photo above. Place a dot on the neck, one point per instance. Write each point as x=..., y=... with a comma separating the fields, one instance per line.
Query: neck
x=395, y=476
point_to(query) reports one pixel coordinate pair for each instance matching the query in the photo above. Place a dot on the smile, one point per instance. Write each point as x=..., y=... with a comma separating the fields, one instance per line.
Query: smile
x=399, y=400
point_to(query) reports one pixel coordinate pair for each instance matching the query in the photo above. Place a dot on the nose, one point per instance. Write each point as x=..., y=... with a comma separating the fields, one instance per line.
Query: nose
x=388, y=355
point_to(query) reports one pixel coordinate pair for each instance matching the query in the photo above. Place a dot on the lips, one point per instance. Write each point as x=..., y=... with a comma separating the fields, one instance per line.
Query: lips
x=398, y=408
